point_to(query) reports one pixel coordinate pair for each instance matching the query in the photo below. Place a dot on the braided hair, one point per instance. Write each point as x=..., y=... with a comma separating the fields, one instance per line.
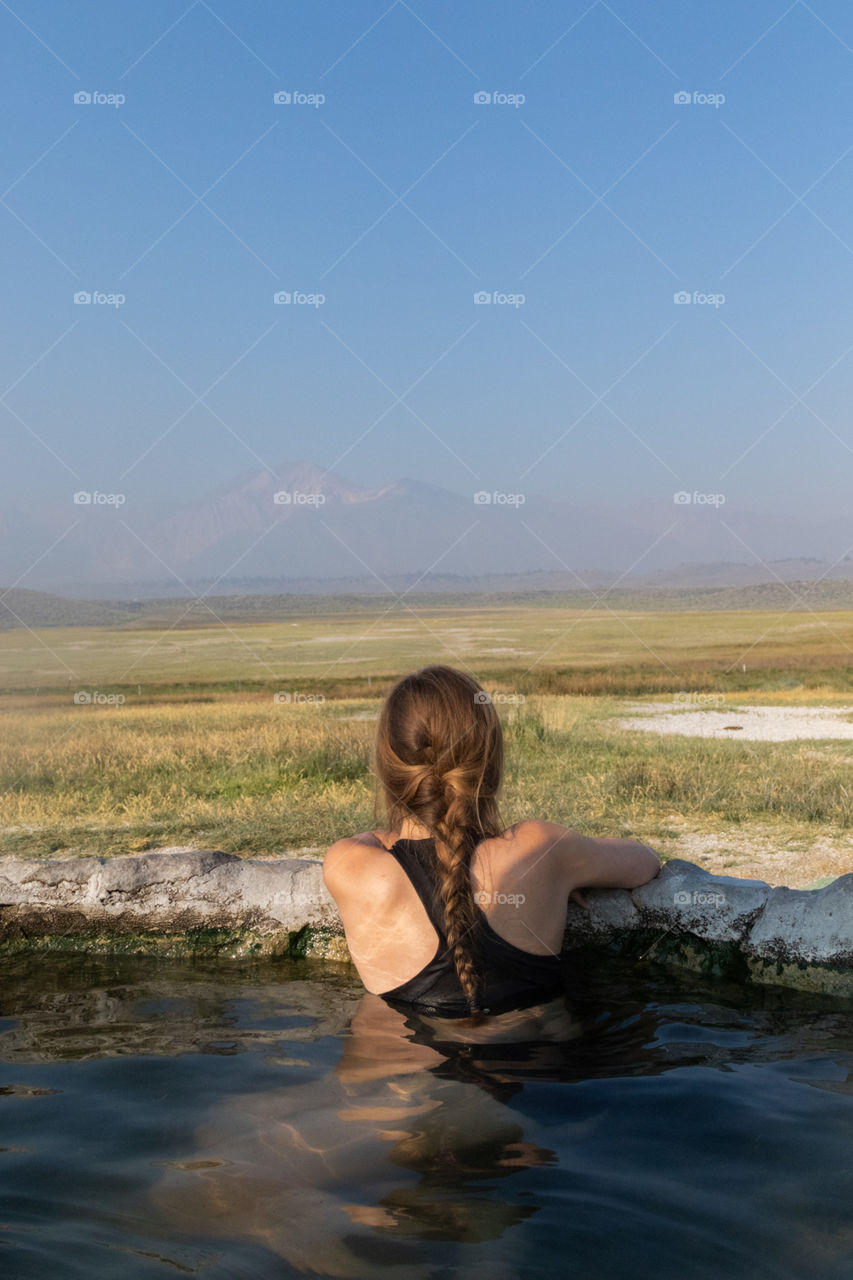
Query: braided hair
x=439, y=761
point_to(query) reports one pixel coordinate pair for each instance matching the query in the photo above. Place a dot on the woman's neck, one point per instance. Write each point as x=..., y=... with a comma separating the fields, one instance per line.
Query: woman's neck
x=410, y=829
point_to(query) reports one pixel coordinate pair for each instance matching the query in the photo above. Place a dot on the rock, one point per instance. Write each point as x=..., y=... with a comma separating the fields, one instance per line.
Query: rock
x=610, y=912
x=164, y=891
x=291, y=892
x=811, y=925
x=46, y=881
x=689, y=899
x=185, y=900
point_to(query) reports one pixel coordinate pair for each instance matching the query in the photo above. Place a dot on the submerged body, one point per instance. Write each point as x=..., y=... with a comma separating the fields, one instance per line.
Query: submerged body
x=387, y=888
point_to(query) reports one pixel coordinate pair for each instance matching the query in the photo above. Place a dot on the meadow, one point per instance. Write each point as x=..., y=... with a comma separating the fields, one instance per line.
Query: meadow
x=257, y=738
x=522, y=647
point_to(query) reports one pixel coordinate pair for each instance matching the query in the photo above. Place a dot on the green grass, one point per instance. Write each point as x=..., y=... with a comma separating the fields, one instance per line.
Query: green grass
x=199, y=753
x=521, y=648
x=253, y=777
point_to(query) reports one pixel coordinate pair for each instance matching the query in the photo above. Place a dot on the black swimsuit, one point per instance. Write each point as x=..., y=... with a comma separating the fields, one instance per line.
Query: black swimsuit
x=515, y=978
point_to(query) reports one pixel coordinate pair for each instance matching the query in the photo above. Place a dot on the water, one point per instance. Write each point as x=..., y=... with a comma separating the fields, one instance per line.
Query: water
x=234, y=1120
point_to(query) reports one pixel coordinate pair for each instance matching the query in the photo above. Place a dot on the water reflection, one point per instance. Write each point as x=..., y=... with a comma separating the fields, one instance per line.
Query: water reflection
x=408, y=1138
x=66, y=1008
x=294, y=1115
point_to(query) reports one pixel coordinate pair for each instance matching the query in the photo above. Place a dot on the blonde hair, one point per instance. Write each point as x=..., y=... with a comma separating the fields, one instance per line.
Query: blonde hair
x=439, y=760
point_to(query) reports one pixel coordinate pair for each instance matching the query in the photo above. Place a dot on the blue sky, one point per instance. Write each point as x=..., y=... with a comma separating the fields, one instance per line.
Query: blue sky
x=398, y=198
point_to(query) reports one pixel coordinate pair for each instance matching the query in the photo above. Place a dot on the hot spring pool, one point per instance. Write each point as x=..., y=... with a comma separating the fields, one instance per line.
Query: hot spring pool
x=230, y=1120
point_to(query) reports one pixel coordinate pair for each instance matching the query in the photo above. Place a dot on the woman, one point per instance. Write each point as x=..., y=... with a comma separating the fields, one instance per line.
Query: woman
x=447, y=912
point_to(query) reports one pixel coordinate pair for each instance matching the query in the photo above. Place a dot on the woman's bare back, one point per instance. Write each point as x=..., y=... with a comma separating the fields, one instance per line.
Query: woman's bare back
x=521, y=879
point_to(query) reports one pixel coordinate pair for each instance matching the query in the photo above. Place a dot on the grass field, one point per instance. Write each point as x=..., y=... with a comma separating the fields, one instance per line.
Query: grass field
x=250, y=776
x=201, y=753
x=530, y=649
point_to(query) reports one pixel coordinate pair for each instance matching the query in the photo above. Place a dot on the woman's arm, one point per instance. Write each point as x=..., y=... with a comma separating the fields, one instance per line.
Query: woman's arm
x=600, y=862
x=612, y=861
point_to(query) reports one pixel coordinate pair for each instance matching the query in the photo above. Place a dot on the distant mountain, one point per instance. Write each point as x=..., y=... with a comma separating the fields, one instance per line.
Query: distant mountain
x=300, y=523
x=22, y=608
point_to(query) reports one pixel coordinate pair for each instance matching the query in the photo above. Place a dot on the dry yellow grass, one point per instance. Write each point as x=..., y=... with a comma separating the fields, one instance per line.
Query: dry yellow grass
x=250, y=776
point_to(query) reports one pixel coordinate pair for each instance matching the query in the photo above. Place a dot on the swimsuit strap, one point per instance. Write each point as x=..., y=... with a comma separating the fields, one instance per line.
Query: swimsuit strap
x=514, y=978
x=408, y=853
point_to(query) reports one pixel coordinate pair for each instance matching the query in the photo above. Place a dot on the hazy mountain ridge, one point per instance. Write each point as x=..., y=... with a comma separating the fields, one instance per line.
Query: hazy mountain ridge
x=302, y=523
x=20, y=607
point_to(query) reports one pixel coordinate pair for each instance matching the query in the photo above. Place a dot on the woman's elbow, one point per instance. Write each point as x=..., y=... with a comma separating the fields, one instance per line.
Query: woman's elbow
x=648, y=865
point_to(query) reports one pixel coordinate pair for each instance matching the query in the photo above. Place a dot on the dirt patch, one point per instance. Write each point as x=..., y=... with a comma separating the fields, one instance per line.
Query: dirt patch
x=768, y=724
x=755, y=854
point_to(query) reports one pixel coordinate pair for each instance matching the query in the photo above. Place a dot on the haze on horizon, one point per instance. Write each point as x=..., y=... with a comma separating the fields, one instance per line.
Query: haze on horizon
x=656, y=205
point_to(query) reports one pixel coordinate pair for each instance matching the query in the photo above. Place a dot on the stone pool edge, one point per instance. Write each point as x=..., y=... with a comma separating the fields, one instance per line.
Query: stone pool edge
x=206, y=902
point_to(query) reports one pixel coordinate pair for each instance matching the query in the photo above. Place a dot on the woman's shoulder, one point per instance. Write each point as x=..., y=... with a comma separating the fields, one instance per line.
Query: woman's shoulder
x=351, y=856
x=355, y=856
x=544, y=842
x=535, y=830
x=529, y=832
x=533, y=833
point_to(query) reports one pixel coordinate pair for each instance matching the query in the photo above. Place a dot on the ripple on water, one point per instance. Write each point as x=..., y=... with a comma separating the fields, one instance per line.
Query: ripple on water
x=268, y=1119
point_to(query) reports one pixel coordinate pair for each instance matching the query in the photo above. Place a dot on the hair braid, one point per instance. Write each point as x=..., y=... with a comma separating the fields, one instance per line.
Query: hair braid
x=439, y=760
x=454, y=846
